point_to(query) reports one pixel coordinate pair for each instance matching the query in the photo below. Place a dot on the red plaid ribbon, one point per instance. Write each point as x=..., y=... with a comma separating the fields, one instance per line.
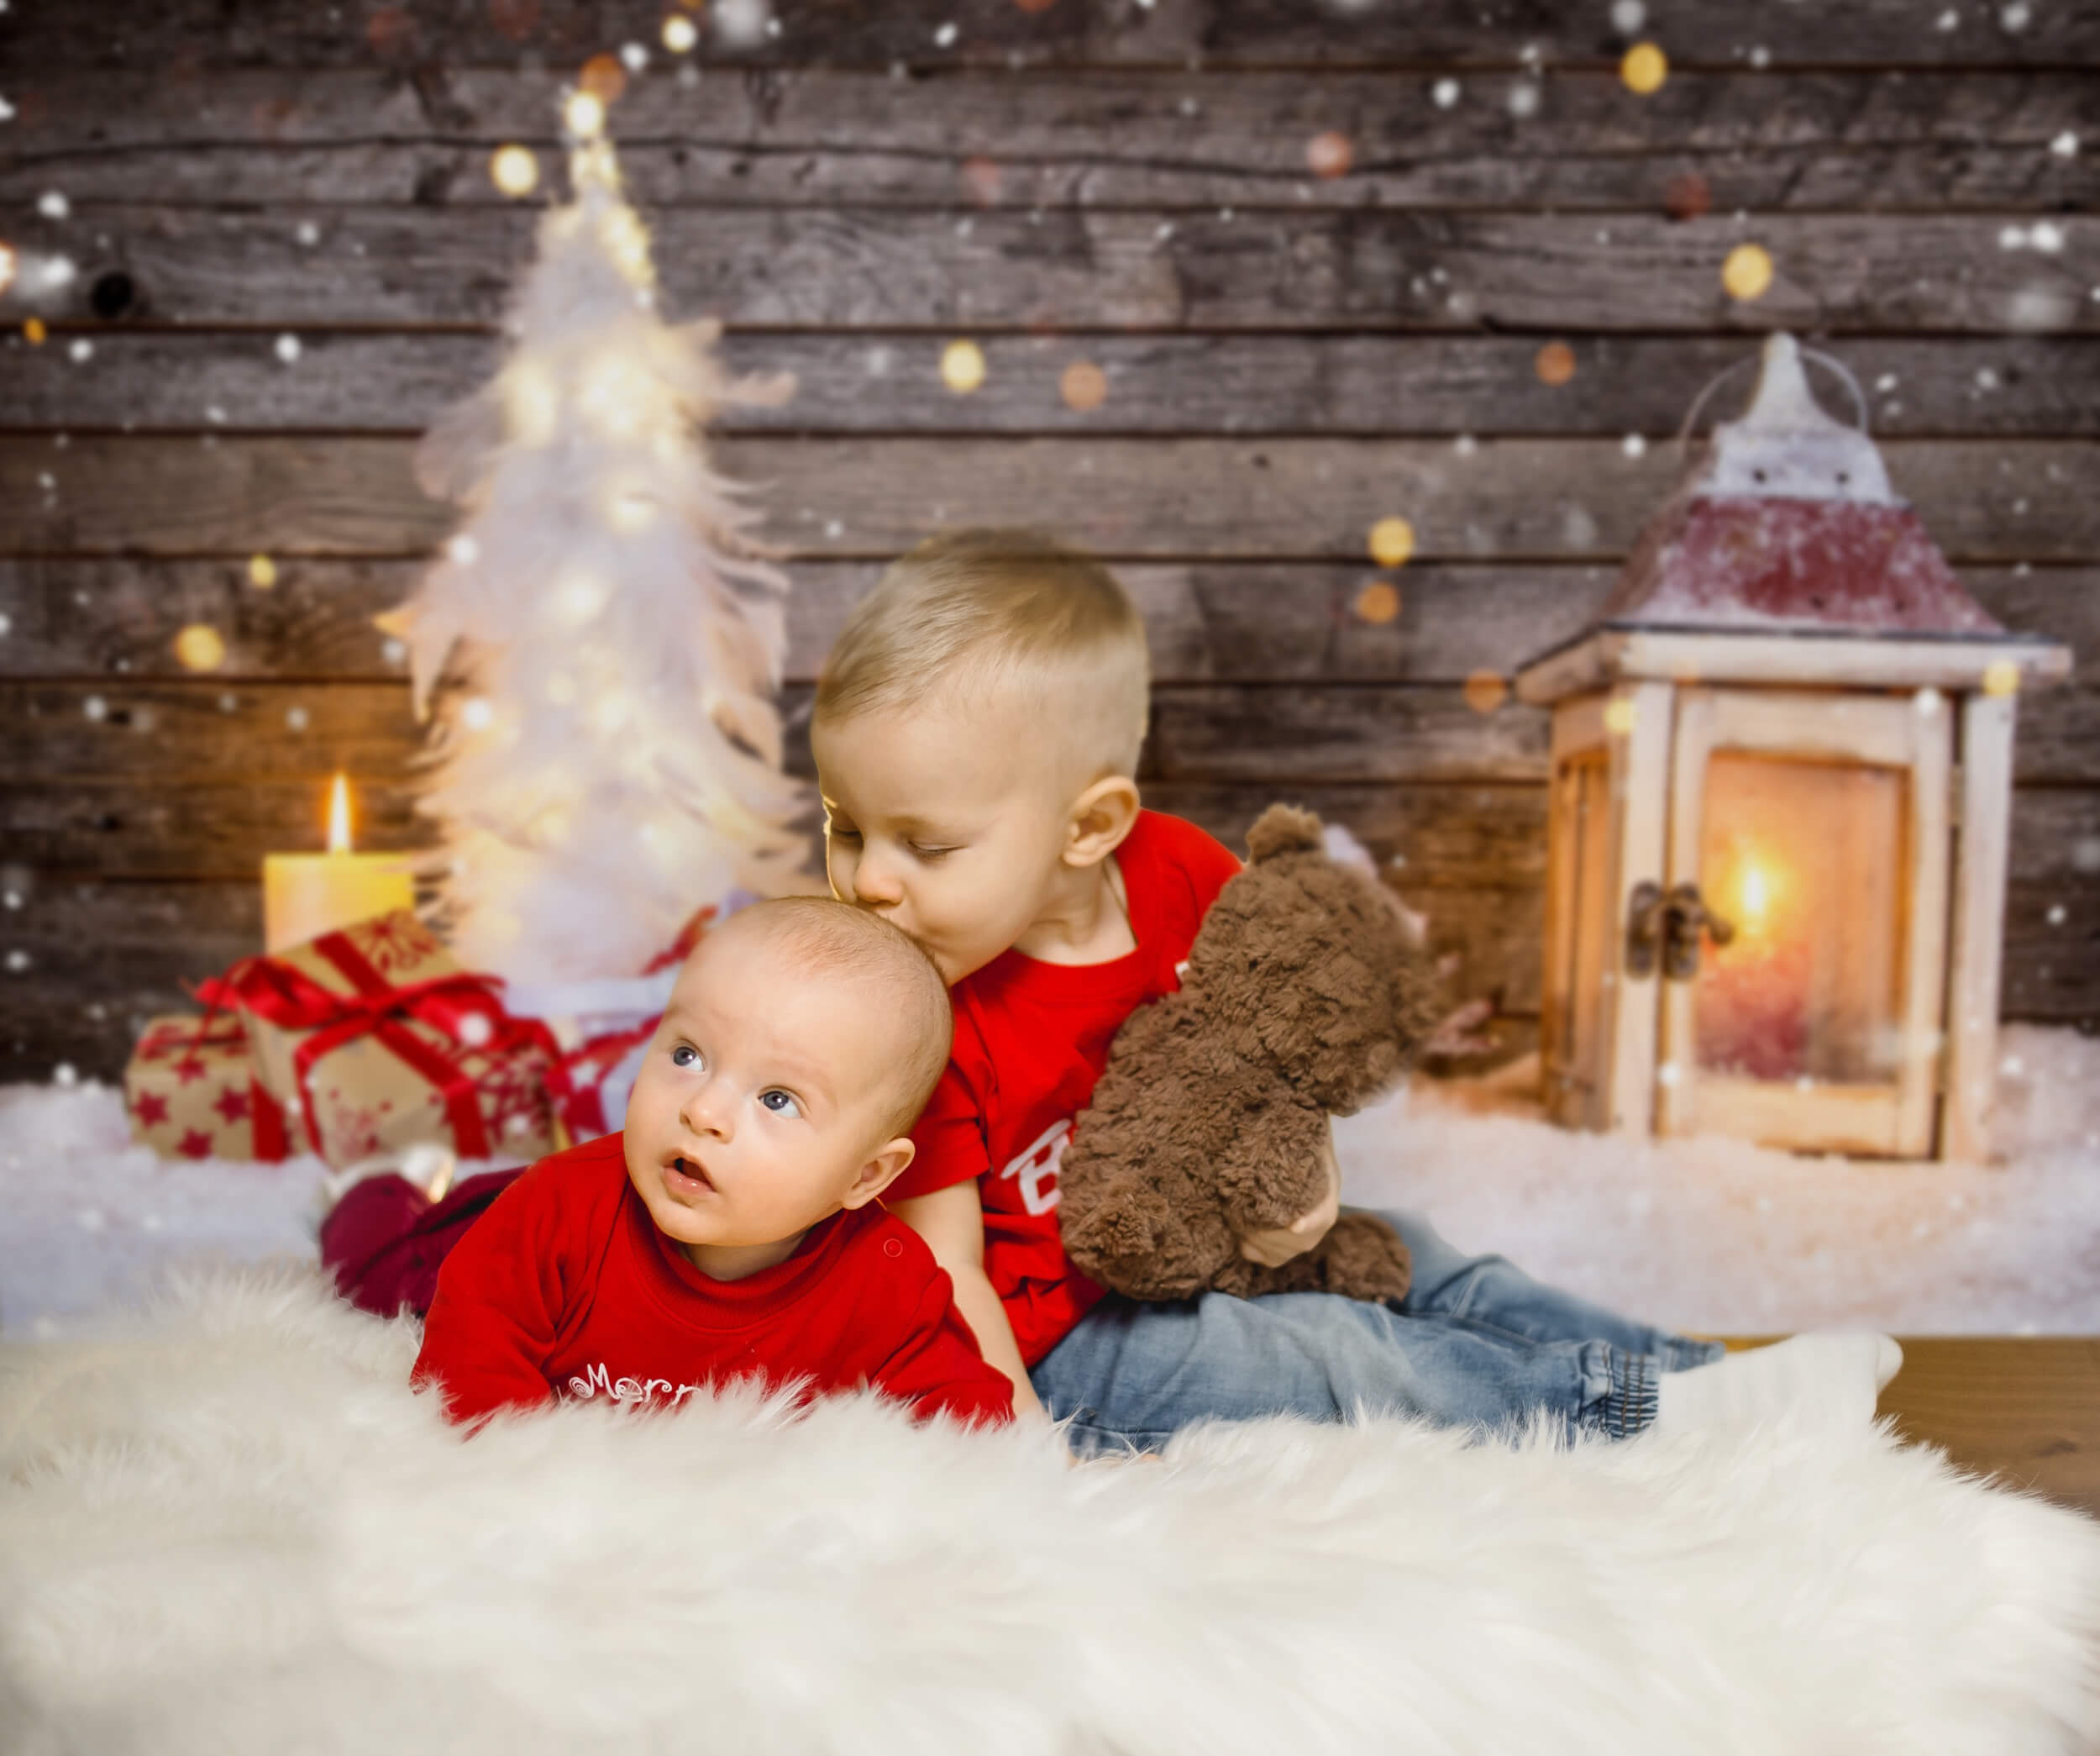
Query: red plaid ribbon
x=288, y=998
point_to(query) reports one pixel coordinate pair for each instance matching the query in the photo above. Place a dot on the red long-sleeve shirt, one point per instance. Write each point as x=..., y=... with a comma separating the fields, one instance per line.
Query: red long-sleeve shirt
x=565, y=1288
x=1030, y=1039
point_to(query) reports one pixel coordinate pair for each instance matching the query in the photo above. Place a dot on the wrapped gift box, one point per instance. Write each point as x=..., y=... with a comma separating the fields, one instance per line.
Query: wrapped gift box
x=191, y=1092
x=373, y=1040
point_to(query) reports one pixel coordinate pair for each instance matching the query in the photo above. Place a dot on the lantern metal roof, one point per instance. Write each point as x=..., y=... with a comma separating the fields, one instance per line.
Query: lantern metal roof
x=1785, y=556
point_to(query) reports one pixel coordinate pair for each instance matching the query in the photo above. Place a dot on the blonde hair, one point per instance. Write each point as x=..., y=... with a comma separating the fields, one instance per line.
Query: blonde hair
x=831, y=937
x=1000, y=611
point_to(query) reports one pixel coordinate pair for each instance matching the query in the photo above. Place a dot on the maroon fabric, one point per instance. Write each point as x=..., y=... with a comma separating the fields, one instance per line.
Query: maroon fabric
x=385, y=1239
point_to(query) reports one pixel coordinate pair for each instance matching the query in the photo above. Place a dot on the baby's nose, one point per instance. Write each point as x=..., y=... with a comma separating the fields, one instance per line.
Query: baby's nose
x=707, y=1111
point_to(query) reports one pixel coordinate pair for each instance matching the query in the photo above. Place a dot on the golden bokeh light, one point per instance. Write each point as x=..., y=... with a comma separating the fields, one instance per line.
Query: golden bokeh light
x=603, y=77
x=1329, y=154
x=1555, y=364
x=1084, y=387
x=1621, y=715
x=1643, y=68
x=2001, y=677
x=262, y=572
x=514, y=169
x=961, y=366
x=33, y=332
x=1392, y=542
x=1378, y=602
x=680, y=34
x=1486, y=691
x=199, y=648
x=1747, y=272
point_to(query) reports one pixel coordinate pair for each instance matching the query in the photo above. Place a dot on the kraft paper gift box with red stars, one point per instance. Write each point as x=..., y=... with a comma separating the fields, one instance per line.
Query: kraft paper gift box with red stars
x=373, y=1039
x=191, y=1092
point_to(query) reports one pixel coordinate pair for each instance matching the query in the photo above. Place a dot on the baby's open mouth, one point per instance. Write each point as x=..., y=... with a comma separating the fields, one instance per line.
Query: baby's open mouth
x=689, y=1168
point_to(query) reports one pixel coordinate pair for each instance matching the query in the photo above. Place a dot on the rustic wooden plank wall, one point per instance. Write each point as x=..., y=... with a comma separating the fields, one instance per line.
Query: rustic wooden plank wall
x=1288, y=357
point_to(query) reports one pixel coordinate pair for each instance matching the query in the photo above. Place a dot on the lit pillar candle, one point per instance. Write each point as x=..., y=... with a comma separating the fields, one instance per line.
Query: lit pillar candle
x=307, y=895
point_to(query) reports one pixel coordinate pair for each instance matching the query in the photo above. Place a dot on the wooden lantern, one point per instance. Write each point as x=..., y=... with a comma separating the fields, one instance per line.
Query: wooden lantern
x=1782, y=774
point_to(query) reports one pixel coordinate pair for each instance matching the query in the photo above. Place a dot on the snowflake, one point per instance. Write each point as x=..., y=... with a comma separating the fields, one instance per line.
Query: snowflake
x=391, y=942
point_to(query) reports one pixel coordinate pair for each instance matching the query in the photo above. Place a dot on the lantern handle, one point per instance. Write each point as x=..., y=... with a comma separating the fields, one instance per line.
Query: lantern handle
x=1713, y=384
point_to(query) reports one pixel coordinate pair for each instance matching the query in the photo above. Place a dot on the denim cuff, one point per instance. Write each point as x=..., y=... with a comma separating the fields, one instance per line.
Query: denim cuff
x=1629, y=1406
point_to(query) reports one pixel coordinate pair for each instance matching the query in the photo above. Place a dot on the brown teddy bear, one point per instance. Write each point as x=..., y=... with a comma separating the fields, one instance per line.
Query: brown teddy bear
x=1306, y=995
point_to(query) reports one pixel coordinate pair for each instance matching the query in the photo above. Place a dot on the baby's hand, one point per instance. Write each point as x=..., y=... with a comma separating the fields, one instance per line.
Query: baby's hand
x=1273, y=1248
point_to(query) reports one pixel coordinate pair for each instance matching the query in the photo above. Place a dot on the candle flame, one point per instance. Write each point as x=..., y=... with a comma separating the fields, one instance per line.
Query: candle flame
x=339, y=816
x=1757, y=897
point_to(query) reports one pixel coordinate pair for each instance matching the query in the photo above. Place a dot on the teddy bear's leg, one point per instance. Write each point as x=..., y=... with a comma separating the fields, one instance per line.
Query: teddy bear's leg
x=1363, y=1258
x=1360, y=1258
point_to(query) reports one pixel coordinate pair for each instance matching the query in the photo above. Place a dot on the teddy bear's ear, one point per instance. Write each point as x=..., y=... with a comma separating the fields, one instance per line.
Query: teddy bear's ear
x=1283, y=829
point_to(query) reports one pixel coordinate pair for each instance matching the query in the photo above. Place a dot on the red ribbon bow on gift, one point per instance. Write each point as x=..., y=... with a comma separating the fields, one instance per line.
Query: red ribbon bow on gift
x=288, y=998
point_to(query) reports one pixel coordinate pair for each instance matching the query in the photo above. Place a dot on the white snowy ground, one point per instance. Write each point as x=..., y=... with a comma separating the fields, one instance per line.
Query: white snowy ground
x=1705, y=1235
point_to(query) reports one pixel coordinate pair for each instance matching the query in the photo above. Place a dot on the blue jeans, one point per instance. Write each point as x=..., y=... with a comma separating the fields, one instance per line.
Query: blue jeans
x=1476, y=1343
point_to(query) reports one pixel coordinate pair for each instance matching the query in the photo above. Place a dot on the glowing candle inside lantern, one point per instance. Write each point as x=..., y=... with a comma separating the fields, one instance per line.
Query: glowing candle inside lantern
x=306, y=895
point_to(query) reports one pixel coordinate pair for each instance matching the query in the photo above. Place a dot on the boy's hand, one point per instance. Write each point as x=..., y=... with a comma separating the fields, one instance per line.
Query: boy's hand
x=1273, y=1248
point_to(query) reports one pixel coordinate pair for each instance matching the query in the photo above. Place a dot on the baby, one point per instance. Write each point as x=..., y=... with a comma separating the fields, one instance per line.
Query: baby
x=731, y=1231
x=976, y=732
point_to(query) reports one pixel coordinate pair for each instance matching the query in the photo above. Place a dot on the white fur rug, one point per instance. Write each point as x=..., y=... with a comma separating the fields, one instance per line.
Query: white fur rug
x=230, y=1529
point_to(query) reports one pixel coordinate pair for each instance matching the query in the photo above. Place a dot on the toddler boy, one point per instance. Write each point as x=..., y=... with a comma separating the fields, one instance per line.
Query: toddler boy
x=732, y=1230
x=976, y=729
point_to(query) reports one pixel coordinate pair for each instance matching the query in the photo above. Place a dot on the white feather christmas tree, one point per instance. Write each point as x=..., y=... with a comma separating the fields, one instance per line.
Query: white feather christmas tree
x=606, y=756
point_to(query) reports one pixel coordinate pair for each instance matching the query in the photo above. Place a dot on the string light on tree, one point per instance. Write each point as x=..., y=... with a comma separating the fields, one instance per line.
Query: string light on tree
x=584, y=115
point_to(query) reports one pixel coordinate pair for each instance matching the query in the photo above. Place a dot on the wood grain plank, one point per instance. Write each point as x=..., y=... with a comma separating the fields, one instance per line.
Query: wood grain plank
x=1443, y=836
x=188, y=36
x=1820, y=139
x=117, y=616
x=1370, y=268
x=1127, y=499
x=2025, y=1410
x=1209, y=621
x=888, y=381
x=150, y=729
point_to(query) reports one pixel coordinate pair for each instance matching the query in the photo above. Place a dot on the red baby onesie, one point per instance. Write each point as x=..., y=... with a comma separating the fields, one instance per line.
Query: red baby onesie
x=565, y=1288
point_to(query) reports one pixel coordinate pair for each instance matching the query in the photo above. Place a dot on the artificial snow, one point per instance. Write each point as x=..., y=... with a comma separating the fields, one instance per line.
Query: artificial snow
x=1707, y=1235
x=1718, y=1236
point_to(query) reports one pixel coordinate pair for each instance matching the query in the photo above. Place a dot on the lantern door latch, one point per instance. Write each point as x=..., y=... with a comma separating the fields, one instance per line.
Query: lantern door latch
x=1668, y=925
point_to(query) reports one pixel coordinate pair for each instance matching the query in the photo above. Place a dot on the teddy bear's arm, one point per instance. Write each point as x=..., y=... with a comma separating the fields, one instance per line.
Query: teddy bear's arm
x=1276, y=1170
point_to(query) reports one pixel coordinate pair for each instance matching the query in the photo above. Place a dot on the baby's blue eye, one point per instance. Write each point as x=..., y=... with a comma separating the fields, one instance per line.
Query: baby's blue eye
x=781, y=1103
x=684, y=1055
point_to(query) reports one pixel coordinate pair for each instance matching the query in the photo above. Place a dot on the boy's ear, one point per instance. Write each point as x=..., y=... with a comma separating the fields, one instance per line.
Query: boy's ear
x=884, y=1165
x=1101, y=816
